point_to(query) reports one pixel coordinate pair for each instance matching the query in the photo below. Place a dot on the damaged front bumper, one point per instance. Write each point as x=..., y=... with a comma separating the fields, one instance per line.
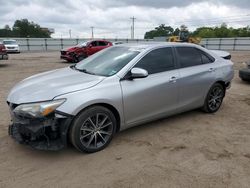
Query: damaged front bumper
x=48, y=133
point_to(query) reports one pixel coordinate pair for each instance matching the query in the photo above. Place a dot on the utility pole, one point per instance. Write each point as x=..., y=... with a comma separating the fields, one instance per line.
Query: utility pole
x=133, y=27
x=131, y=30
x=70, y=33
x=92, y=32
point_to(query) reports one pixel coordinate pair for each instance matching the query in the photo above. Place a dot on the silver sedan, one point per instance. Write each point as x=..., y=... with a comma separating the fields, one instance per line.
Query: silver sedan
x=117, y=88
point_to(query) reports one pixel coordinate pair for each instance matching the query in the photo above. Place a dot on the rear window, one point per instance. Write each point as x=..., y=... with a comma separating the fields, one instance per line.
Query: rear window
x=189, y=56
x=102, y=43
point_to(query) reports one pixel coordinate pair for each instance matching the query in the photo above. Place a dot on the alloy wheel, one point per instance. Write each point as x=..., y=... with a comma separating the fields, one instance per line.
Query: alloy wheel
x=215, y=98
x=96, y=131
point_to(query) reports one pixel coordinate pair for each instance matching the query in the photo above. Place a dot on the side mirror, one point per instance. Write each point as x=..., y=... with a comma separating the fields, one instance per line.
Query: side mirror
x=138, y=73
x=90, y=45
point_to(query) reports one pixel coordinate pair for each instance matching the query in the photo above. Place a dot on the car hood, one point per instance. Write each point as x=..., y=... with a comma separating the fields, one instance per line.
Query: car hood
x=46, y=86
x=71, y=49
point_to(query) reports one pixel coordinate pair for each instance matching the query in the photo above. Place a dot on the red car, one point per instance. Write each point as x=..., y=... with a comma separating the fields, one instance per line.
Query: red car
x=83, y=50
x=3, y=52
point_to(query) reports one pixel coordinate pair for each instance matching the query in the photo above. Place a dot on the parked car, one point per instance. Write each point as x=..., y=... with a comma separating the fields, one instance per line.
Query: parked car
x=244, y=73
x=83, y=50
x=3, y=53
x=11, y=46
x=117, y=42
x=116, y=88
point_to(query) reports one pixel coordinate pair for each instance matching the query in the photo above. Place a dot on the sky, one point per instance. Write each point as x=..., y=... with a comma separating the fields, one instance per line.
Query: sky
x=112, y=18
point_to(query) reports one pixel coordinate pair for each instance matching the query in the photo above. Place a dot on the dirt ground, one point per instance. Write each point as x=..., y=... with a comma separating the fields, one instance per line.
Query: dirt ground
x=192, y=149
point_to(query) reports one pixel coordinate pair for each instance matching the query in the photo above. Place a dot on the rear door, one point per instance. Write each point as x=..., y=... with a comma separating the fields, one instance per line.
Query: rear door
x=93, y=48
x=156, y=95
x=102, y=44
x=197, y=74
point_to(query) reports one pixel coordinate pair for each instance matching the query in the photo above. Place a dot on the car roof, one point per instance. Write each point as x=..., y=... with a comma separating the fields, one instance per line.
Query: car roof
x=150, y=45
x=99, y=40
x=9, y=40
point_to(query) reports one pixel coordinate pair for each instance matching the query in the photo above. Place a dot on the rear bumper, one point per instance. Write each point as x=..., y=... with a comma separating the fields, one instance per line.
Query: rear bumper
x=42, y=134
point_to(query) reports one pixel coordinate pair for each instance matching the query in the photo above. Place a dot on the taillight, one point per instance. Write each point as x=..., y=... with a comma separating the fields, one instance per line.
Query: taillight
x=2, y=47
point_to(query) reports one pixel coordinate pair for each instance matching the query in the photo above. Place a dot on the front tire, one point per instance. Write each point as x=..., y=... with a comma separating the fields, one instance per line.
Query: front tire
x=214, y=98
x=93, y=129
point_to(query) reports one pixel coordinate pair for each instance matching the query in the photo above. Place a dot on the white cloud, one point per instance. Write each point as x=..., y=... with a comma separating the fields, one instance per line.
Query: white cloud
x=112, y=18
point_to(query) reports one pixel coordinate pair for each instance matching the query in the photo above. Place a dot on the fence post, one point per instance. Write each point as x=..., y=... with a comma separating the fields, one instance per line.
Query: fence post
x=77, y=40
x=207, y=43
x=61, y=43
x=235, y=39
x=220, y=43
x=46, y=45
x=28, y=44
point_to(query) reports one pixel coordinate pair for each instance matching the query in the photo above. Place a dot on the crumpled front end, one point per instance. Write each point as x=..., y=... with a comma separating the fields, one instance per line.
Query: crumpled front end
x=47, y=133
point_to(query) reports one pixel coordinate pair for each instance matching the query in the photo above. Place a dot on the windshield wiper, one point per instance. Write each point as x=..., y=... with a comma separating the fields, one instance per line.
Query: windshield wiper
x=81, y=70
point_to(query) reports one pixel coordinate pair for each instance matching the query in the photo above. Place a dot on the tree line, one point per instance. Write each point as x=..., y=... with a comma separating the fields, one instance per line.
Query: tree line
x=204, y=32
x=24, y=28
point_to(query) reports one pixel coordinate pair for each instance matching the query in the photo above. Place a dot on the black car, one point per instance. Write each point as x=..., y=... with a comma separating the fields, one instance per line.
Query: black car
x=244, y=74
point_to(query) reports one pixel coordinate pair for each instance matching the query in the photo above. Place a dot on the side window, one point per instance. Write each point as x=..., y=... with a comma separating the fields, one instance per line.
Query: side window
x=94, y=43
x=102, y=43
x=158, y=60
x=206, y=58
x=188, y=56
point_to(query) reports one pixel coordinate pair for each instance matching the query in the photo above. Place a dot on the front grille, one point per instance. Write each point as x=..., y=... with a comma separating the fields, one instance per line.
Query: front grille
x=63, y=52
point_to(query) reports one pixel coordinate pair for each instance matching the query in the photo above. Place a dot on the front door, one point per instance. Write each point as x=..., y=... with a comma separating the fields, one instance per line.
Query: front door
x=156, y=95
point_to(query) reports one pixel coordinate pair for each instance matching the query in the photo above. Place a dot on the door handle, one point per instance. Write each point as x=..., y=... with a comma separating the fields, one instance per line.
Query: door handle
x=211, y=69
x=173, y=79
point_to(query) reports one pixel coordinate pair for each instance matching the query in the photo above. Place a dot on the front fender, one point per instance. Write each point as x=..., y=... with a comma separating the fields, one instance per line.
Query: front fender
x=105, y=93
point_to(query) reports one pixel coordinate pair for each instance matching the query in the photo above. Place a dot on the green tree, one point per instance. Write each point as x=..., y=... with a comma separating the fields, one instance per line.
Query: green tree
x=24, y=28
x=161, y=31
x=221, y=31
x=176, y=32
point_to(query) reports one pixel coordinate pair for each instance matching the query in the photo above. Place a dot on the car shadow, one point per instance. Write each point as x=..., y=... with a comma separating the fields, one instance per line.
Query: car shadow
x=4, y=65
x=66, y=62
x=70, y=151
x=166, y=121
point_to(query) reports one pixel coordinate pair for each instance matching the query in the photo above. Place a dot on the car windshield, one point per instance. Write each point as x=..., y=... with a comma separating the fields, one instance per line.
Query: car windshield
x=9, y=42
x=83, y=44
x=107, y=62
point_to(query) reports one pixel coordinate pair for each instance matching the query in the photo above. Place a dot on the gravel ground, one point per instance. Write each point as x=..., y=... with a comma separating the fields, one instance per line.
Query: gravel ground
x=192, y=149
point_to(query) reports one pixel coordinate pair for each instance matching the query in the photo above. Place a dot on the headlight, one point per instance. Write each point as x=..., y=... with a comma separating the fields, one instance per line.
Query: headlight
x=38, y=110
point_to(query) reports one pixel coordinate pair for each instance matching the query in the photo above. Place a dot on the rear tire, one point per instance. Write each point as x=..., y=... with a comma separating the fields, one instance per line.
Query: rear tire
x=93, y=129
x=214, y=98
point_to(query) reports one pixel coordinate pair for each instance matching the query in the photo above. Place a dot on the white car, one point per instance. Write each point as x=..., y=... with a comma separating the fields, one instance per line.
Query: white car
x=117, y=43
x=11, y=46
